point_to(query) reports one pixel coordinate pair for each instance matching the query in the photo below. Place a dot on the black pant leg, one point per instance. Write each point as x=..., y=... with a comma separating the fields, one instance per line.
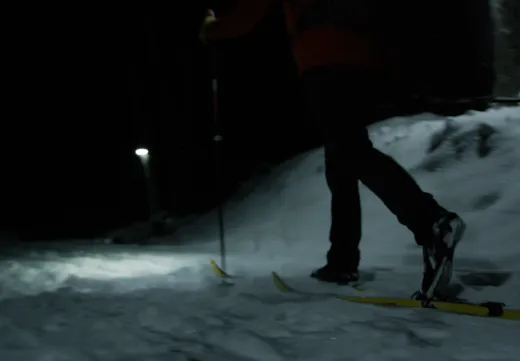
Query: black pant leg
x=414, y=208
x=343, y=102
x=345, y=230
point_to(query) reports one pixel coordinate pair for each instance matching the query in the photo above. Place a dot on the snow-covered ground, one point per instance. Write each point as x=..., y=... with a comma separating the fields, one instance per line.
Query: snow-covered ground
x=162, y=303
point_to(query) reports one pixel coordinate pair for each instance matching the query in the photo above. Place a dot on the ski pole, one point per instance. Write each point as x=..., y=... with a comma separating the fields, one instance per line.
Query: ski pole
x=218, y=156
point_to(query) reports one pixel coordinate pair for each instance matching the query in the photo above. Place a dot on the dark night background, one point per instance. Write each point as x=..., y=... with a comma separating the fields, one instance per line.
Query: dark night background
x=89, y=85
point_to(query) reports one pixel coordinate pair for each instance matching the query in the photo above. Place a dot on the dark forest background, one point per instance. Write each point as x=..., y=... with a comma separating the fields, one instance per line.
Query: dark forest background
x=85, y=85
x=88, y=86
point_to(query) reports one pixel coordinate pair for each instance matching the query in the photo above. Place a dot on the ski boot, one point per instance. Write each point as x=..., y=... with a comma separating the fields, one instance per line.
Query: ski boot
x=331, y=274
x=438, y=257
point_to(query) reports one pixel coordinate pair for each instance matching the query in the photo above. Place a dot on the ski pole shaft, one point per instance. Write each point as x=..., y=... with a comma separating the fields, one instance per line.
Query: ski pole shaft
x=218, y=158
x=218, y=171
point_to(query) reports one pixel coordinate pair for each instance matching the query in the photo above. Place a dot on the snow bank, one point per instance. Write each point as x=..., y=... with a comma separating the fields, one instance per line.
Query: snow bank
x=470, y=163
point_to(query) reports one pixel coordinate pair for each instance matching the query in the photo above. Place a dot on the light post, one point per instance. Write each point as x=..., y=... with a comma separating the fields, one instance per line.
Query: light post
x=144, y=156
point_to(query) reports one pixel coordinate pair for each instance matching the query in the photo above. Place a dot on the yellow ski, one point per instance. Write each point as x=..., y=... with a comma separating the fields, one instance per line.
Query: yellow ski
x=219, y=271
x=490, y=309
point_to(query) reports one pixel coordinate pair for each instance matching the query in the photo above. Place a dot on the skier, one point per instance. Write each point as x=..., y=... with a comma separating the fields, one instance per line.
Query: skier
x=354, y=76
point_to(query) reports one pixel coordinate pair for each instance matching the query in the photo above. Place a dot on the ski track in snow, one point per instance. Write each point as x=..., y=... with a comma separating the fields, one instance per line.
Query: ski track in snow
x=115, y=303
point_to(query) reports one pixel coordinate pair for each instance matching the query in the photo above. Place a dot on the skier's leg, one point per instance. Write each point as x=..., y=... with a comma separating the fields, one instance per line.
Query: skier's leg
x=413, y=207
x=343, y=101
x=326, y=105
x=436, y=229
x=345, y=229
x=351, y=156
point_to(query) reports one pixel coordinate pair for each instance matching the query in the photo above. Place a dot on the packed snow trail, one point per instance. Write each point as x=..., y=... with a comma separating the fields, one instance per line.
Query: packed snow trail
x=114, y=303
x=186, y=315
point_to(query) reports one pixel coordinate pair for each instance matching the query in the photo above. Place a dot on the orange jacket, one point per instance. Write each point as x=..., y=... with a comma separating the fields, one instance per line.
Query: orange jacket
x=315, y=46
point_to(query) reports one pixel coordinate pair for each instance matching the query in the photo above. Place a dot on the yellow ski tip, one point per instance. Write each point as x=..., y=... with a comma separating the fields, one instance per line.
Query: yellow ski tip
x=219, y=271
x=280, y=284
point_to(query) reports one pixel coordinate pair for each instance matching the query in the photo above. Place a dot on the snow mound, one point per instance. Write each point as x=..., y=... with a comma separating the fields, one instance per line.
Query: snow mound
x=471, y=163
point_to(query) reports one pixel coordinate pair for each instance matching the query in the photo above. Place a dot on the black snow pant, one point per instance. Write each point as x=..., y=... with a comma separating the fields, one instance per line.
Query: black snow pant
x=344, y=101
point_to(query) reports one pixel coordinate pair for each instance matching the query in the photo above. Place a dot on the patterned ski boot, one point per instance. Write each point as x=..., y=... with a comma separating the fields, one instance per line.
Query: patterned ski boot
x=438, y=257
